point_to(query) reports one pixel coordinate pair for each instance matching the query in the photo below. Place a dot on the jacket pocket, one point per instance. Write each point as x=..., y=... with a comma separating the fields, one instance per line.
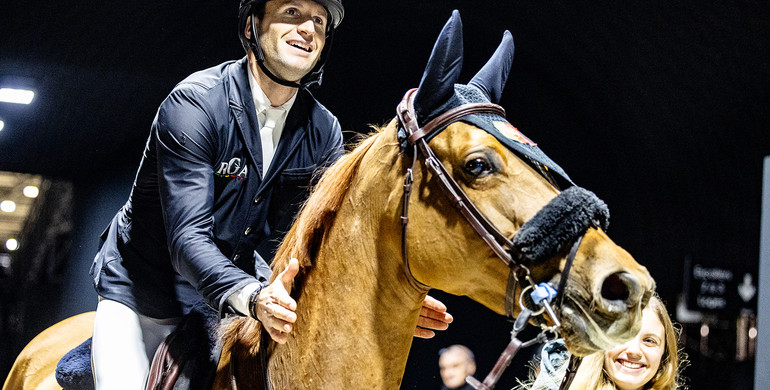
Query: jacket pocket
x=291, y=190
x=298, y=174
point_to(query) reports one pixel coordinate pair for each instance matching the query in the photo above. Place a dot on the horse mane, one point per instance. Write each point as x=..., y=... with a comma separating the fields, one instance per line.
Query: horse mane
x=320, y=209
x=242, y=335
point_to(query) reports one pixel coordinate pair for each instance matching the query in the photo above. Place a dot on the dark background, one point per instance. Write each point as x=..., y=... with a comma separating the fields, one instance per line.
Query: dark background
x=661, y=108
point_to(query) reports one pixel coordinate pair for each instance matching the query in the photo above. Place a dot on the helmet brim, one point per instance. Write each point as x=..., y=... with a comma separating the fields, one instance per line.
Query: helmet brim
x=335, y=10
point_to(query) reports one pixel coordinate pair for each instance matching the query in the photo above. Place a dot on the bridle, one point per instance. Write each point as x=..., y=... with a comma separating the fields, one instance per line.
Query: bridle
x=417, y=138
x=501, y=245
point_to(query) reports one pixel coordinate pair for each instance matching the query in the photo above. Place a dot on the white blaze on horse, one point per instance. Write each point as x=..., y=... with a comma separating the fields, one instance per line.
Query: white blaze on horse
x=364, y=276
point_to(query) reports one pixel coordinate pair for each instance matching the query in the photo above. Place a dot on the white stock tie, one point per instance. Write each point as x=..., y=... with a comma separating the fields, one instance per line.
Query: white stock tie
x=266, y=135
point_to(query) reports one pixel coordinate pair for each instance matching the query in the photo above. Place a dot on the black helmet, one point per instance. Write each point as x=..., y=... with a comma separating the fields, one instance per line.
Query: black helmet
x=249, y=8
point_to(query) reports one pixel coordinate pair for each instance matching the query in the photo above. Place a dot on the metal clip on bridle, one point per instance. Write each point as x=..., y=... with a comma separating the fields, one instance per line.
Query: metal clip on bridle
x=540, y=295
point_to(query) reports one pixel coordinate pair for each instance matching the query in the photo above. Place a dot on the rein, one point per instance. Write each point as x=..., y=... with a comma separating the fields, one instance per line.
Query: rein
x=501, y=245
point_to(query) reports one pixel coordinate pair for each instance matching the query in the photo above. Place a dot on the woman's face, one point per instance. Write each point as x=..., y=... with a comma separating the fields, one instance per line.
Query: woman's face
x=633, y=364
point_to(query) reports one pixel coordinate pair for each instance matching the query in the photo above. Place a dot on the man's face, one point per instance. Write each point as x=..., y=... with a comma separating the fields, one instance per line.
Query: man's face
x=292, y=34
x=455, y=366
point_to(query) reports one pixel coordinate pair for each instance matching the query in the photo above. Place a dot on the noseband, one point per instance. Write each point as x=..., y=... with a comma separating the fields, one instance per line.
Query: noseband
x=502, y=246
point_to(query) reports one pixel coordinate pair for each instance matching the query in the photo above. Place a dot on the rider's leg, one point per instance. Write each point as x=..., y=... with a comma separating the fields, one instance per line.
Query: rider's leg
x=123, y=345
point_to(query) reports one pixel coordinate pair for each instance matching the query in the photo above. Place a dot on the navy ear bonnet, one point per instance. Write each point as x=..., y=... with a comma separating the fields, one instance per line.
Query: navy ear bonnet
x=501, y=129
x=439, y=92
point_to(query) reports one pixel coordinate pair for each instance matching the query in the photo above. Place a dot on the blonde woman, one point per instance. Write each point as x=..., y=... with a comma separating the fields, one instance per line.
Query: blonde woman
x=651, y=360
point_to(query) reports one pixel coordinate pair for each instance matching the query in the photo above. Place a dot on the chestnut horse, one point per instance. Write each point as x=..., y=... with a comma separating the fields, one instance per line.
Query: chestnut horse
x=359, y=299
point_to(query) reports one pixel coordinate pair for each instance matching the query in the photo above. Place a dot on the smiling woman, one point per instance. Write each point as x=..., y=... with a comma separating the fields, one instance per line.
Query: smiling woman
x=651, y=360
x=633, y=365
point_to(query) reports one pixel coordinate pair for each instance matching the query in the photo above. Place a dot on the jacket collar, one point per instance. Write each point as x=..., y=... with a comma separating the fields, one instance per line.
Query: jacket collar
x=242, y=106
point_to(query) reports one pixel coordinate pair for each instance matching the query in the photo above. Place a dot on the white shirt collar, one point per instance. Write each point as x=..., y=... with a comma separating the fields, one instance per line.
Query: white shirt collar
x=269, y=133
x=262, y=103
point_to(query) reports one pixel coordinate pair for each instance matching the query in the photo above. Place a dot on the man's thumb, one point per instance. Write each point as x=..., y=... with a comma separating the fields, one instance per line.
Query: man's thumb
x=288, y=274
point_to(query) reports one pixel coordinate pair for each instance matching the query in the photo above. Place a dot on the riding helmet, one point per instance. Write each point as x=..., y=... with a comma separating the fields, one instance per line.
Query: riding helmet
x=247, y=8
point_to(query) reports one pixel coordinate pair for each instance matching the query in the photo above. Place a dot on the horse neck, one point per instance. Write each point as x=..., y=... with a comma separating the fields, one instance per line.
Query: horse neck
x=356, y=312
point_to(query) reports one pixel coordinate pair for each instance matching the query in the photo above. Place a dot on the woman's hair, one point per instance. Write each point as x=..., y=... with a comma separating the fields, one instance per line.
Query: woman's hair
x=591, y=374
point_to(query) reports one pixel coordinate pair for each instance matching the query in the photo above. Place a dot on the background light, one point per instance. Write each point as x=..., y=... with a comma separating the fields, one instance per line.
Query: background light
x=12, y=244
x=8, y=206
x=20, y=96
x=30, y=191
x=704, y=330
x=2, y=124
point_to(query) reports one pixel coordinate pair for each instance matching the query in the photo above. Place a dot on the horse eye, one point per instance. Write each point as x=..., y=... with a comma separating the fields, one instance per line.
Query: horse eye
x=478, y=167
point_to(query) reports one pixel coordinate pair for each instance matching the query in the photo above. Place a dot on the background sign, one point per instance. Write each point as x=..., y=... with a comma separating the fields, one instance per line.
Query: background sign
x=716, y=289
x=711, y=287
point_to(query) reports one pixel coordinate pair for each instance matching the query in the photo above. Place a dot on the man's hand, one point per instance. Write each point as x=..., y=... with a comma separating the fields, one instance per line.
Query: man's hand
x=275, y=307
x=433, y=315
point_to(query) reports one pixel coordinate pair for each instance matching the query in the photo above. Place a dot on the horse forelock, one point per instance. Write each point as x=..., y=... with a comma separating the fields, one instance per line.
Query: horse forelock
x=320, y=209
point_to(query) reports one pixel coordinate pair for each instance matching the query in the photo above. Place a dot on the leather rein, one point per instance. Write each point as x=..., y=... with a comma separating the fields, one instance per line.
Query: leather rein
x=502, y=246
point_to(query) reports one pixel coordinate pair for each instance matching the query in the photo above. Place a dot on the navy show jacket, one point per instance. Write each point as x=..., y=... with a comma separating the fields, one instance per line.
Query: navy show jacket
x=200, y=216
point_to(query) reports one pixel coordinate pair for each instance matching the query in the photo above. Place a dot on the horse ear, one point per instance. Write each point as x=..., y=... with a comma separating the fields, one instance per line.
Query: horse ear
x=492, y=77
x=443, y=69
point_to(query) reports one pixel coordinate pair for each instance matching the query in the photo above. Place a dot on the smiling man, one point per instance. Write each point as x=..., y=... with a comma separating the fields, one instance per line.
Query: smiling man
x=229, y=158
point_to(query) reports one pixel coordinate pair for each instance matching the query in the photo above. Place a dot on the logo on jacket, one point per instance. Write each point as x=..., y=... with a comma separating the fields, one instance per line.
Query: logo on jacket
x=233, y=168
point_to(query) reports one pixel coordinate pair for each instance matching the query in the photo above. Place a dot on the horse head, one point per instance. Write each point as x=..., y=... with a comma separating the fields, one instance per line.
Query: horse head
x=515, y=189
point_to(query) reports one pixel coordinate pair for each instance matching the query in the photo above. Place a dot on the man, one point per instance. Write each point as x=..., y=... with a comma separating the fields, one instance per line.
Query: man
x=455, y=363
x=230, y=156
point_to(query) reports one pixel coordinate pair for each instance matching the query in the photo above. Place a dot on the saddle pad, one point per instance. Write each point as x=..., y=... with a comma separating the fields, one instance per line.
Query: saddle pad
x=73, y=372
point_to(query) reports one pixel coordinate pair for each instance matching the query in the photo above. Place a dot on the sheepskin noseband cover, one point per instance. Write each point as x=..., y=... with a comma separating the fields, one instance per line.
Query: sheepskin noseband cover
x=560, y=223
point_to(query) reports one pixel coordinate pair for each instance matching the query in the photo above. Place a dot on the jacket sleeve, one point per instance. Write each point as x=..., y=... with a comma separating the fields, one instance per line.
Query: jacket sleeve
x=186, y=146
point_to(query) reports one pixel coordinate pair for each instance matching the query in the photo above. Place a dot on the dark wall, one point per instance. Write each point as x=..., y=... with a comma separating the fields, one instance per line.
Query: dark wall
x=68, y=291
x=660, y=108
x=98, y=200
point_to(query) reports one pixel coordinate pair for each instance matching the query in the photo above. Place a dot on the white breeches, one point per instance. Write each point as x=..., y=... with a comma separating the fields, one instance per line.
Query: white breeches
x=123, y=345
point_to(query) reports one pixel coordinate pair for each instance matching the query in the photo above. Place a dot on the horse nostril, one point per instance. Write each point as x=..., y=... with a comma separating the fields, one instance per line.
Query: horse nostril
x=618, y=286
